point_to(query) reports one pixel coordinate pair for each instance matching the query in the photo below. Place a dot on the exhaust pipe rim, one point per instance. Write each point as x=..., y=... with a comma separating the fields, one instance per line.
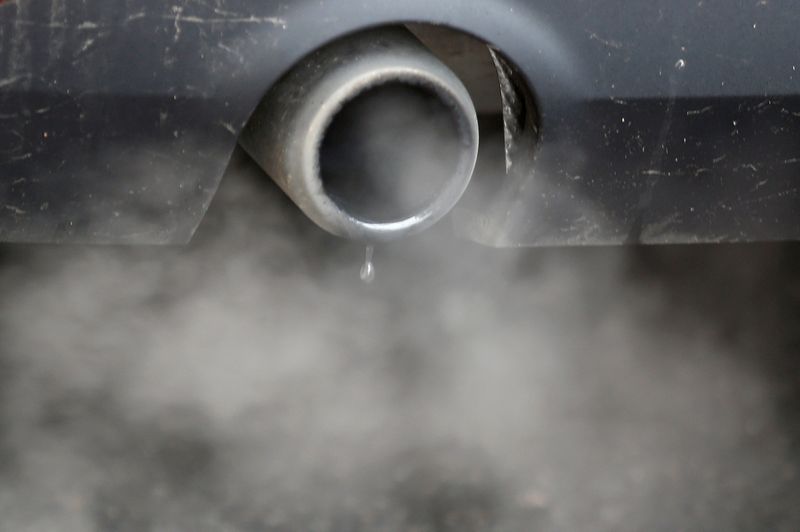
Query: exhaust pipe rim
x=328, y=214
x=287, y=130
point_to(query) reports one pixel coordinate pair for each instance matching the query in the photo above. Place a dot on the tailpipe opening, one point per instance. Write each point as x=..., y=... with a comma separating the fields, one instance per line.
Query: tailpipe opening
x=372, y=136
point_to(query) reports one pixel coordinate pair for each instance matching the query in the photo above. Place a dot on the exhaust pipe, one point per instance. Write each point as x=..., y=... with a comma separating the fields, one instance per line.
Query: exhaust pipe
x=372, y=136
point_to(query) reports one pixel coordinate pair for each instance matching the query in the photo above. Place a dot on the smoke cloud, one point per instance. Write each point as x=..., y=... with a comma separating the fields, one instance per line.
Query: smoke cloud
x=251, y=382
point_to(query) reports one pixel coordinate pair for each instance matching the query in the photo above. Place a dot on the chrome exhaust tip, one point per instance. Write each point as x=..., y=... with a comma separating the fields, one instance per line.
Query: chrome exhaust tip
x=372, y=136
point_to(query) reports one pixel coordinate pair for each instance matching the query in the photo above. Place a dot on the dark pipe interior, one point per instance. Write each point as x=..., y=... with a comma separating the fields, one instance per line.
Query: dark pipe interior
x=389, y=152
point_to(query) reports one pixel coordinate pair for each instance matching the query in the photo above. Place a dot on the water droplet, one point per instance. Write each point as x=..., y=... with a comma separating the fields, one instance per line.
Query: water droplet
x=368, y=269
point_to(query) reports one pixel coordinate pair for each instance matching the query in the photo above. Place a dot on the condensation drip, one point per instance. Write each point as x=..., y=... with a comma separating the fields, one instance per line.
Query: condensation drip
x=368, y=268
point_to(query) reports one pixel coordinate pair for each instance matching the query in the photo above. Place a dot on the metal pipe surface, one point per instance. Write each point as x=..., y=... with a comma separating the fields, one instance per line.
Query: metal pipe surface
x=371, y=136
